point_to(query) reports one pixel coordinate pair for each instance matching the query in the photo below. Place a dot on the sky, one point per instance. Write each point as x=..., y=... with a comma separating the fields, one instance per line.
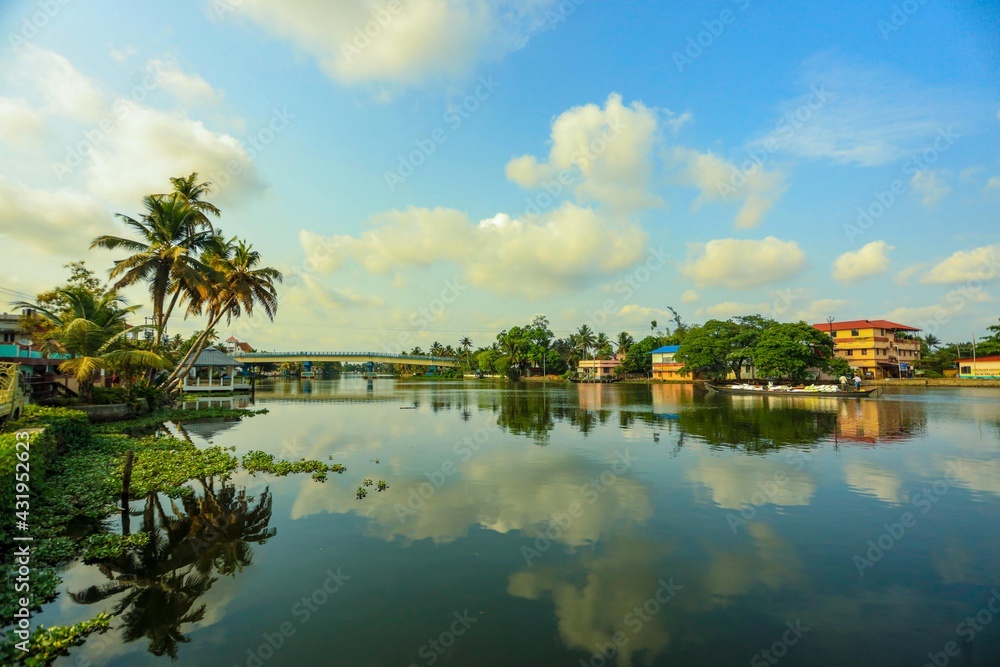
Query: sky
x=425, y=170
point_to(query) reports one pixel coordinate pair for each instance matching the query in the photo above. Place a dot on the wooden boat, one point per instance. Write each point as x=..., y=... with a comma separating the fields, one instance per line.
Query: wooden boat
x=592, y=380
x=863, y=393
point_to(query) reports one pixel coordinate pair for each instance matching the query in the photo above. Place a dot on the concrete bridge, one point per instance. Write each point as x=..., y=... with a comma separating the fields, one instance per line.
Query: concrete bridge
x=344, y=357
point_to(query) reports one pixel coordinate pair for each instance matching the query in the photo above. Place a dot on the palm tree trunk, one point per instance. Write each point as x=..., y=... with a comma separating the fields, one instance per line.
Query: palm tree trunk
x=174, y=381
x=162, y=324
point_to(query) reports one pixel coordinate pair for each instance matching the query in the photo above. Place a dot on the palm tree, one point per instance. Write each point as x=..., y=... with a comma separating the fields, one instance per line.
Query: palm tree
x=466, y=344
x=932, y=341
x=602, y=345
x=237, y=284
x=437, y=349
x=92, y=329
x=192, y=191
x=171, y=234
x=625, y=341
x=585, y=339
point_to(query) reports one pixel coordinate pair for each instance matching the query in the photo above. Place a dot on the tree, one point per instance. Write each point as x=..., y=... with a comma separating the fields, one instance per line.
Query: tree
x=639, y=358
x=585, y=339
x=602, y=346
x=193, y=192
x=707, y=349
x=744, y=341
x=165, y=256
x=239, y=284
x=838, y=367
x=791, y=350
x=91, y=328
x=466, y=344
x=624, y=341
x=932, y=341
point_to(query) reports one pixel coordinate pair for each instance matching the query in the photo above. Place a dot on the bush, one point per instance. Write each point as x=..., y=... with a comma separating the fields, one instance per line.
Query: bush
x=109, y=396
x=69, y=428
x=41, y=452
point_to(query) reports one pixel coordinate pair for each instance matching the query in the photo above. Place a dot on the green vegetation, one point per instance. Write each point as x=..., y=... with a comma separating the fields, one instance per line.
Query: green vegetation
x=47, y=644
x=257, y=461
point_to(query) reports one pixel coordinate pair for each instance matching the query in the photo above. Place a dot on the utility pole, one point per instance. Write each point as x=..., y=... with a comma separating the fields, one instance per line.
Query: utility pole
x=973, y=355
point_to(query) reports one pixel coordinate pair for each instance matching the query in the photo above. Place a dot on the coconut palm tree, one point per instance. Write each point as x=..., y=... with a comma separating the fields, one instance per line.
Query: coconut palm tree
x=624, y=341
x=165, y=256
x=238, y=284
x=932, y=341
x=602, y=346
x=437, y=349
x=466, y=344
x=585, y=339
x=193, y=192
x=91, y=328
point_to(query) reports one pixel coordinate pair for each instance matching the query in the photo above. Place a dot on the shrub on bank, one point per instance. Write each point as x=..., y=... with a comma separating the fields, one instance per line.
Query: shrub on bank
x=69, y=428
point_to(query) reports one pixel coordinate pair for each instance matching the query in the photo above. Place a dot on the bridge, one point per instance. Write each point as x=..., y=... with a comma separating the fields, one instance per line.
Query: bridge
x=344, y=357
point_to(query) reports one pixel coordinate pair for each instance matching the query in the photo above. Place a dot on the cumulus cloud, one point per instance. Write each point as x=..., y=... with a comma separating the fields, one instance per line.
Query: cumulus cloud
x=690, y=296
x=606, y=152
x=993, y=184
x=930, y=185
x=146, y=147
x=20, y=125
x=719, y=180
x=742, y=263
x=820, y=309
x=401, y=43
x=62, y=221
x=978, y=264
x=190, y=89
x=870, y=260
x=871, y=479
x=555, y=252
x=60, y=87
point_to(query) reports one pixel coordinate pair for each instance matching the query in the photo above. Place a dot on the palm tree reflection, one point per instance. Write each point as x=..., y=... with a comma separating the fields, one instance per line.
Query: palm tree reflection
x=208, y=533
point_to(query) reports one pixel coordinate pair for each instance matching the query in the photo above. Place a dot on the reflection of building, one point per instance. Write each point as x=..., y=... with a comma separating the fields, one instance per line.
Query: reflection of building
x=668, y=398
x=600, y=368
x=879, y=421
x=981, y=367
x=665, y=367
x=878, y=348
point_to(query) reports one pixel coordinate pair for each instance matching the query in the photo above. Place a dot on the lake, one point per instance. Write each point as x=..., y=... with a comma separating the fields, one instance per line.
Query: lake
x=560, y=524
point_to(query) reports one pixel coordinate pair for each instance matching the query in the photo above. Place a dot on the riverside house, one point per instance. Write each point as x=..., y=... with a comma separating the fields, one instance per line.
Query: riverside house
x=878, y=349
x=981, y=368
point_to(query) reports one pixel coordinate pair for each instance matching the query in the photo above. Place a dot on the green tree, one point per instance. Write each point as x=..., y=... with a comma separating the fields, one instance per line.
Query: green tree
x=707, y=349
x=624, y=341
x=639, y=358
x=585, y=339
x=744, y=341
x=838, y=367
x=790, y=350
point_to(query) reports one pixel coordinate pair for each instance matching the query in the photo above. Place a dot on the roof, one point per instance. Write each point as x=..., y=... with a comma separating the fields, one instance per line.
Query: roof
x=232, y=339
x=666, y=349
x=992, y=357
x=864, y=324
x=212, y=357
x=244, y=347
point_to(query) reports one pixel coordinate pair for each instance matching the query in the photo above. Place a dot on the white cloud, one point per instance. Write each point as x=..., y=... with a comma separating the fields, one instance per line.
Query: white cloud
x=978, y=264
x=190, y=89
x=690, y=296
x=820, y=309
x=874, y=480
x=742, y=264
x=147, y=147
x=606, y=153
x=871, y=116
x=61, y=221
x=62, y=89
x=993, y=183
x=122, y=55
x=930, y=185
x=364, y=40
x=20, y=125
x=557, y=252
x=727, y=309
x=719, y=180
x=870, y=260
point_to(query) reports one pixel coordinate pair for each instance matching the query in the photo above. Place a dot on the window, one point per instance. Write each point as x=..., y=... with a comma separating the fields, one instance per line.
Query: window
x=8, y=337
x=854, y=332
x=834, y=334
x=864, y=353
x=849, y=353
x=966, y=370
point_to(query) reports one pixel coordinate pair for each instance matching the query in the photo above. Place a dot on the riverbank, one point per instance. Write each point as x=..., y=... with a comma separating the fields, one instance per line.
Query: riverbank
x=934, y=382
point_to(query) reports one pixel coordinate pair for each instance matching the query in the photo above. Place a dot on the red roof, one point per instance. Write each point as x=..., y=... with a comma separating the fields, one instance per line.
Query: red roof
x=864, y=324
x=232, y=339
x=994, y=357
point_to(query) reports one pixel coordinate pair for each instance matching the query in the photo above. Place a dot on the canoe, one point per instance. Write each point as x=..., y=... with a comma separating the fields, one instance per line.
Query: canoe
x=864, y=393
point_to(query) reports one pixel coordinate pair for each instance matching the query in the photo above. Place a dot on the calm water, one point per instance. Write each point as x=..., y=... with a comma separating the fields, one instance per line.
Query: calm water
x=544, y=525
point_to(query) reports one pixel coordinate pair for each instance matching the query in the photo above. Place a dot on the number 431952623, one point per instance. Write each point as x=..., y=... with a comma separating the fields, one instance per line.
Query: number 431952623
x=22, y=475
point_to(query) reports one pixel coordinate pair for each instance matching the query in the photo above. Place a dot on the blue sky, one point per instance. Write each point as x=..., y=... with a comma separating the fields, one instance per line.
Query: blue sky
x=715, y=157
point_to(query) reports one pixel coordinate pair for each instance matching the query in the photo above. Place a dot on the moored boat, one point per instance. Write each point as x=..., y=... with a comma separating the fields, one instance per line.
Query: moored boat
x=836, y=392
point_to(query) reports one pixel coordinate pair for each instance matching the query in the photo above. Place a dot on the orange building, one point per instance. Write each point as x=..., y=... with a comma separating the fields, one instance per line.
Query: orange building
x=878, y=349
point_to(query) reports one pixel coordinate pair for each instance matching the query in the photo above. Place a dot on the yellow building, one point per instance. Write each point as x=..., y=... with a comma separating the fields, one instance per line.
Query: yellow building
x=665, y=366
x=877, y=349
x=982, y=368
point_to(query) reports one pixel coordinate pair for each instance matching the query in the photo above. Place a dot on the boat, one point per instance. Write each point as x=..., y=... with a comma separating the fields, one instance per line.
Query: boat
x=795, y=393
x=593, y=380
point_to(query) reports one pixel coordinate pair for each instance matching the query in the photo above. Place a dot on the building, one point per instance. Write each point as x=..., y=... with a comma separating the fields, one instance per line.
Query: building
x=665, y=367
x=215, y=371
x=985, y=368
x=877, y=349
x=600, y=368
x=235, y=346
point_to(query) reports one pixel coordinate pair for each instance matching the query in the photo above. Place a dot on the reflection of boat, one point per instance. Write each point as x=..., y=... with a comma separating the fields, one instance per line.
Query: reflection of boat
x=589, y=380
x=795, y=393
